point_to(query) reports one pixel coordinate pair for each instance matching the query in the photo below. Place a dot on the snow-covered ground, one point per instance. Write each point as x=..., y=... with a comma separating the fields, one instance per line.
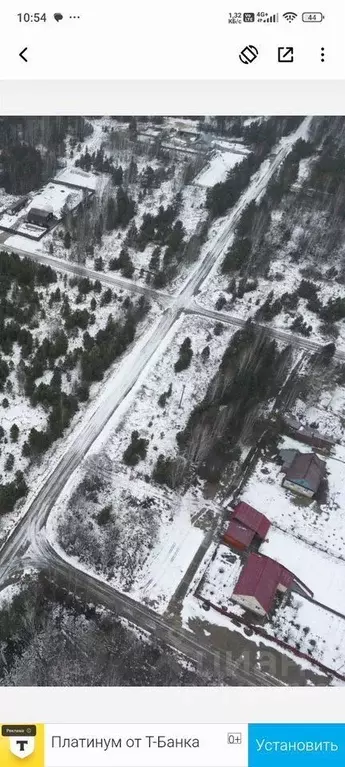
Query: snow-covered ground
x=312, y=630
x=5, y=199
x=319, y=524
x=175, y=531
x=152, y=537
x=323, y=574
x=221, y=577
x=77, y=177
x=8, y=593
x=326, y=410
x=160, y=424
x=218, y=168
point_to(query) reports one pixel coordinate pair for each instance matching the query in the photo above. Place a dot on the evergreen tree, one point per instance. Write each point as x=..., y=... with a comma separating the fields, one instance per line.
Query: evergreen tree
x=14, y=432
x=67, y=240
x=185, y=356
x=111, y=215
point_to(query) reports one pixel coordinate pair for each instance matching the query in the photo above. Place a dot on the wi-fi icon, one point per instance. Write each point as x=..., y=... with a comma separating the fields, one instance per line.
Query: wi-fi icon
x=290, y=16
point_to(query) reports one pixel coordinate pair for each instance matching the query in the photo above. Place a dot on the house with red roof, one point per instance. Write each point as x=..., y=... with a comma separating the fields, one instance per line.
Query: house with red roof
x=238, y=536
x=246, y=525
x=261, y=580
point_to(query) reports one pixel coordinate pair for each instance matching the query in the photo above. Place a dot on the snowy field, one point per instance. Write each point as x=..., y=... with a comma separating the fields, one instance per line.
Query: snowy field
x=218, y=168
x=78, y=177
x=160, y=424
x=148, y=544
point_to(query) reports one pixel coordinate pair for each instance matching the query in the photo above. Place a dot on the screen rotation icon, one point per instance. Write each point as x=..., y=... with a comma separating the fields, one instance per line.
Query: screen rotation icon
x=248, y=54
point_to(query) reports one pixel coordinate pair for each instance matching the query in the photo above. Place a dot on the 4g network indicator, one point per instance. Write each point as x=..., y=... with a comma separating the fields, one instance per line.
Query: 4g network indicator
x=263, y=17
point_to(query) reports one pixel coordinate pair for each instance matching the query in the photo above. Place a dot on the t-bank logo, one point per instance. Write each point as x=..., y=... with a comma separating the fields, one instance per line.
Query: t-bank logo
x=22, y=747
x=22, y=741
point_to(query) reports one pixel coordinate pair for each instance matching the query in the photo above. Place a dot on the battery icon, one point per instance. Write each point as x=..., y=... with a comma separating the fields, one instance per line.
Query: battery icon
x=312, y=17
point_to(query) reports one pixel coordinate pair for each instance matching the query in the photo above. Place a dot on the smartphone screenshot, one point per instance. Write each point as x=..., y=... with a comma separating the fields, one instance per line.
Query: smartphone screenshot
x=172, y=384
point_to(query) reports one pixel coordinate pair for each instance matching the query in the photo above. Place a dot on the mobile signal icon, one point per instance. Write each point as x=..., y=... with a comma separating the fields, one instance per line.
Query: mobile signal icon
x=290, y=16
x=271, y=19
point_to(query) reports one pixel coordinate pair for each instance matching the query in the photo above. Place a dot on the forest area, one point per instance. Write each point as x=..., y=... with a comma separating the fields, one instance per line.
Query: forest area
x=62, y=350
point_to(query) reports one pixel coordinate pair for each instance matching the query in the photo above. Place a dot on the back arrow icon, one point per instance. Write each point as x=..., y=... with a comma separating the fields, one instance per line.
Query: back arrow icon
x=22, y=54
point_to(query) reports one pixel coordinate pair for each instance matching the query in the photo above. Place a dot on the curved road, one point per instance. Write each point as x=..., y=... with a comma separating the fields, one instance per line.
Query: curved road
x=205, y=656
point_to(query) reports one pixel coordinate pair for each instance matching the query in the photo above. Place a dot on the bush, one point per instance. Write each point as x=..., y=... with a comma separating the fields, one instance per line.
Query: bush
x=124, y=263
x=106, y=297
x=14, y=433
x=136, y=450
x=334, y=310
x=327, y=352
x=12, y=492
x=9, y=462
x=67, y=241
x=307, y=290
x=104, y=515
x=163, y=397
x=98, y=264
x=220, y=303
x=237, y=255
x=205, y=354
x=165, y=472
x=185, y=356
x=300, y=326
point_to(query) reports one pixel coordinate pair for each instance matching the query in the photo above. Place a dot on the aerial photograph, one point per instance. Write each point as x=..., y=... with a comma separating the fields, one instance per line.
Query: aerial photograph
x=172, y=401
